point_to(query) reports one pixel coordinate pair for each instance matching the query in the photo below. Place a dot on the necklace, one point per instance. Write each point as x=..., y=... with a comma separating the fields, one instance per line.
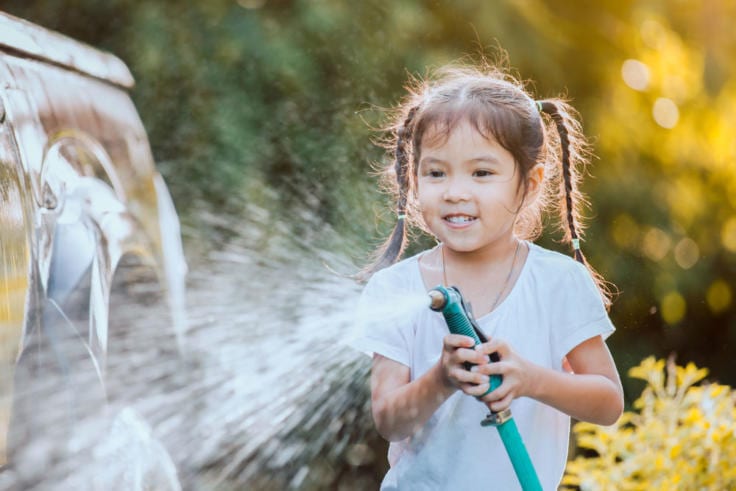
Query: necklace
x=505, y=283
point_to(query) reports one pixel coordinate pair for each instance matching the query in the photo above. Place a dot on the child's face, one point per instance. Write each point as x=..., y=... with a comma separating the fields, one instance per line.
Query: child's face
x=468, y=189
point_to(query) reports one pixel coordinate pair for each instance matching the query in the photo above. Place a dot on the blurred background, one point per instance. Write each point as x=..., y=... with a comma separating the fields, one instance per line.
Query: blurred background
x=272, y=106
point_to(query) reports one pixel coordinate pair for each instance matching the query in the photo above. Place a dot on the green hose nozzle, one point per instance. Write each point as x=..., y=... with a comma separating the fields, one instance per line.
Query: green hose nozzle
x=460, y=320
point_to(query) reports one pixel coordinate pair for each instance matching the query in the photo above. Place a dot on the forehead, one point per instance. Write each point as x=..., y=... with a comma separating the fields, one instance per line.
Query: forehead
x=438, y=133
x=462, y=141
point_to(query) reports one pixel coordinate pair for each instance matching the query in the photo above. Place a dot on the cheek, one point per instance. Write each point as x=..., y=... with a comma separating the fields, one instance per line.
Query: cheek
x=505, y=200
x=424, y=196
x=516, y=192
x=426, y=207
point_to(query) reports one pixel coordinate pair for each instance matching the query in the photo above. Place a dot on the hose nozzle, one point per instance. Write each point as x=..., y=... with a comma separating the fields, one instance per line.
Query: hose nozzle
x=437, y=299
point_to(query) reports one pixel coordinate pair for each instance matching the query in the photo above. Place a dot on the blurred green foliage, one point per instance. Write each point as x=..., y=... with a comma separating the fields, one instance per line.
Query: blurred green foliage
x=239, y=96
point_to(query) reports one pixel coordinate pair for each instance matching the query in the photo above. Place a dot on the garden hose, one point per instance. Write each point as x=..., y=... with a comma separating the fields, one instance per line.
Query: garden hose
x=459, y=320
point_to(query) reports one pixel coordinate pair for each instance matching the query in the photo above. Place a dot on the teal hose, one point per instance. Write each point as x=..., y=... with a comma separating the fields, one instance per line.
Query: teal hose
x=523, y=466
x=450, y=302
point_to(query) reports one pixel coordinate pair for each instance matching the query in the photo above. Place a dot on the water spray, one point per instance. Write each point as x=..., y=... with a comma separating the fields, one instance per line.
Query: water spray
x=459, y=320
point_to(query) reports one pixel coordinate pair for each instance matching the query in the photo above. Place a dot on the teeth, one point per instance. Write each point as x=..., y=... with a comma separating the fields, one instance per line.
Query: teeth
x=460, y=219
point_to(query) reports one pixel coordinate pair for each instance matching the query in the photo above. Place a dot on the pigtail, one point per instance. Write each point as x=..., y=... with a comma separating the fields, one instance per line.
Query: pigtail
x=572, y=146
x=394, y=246
x=569, y=181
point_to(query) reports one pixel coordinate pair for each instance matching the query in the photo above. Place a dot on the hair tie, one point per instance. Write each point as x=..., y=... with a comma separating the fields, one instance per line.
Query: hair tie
x=576, y=244
x=539, y=106
x=401, y=216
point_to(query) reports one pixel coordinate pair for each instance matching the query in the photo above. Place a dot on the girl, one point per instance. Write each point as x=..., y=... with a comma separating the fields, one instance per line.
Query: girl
x=477, y=161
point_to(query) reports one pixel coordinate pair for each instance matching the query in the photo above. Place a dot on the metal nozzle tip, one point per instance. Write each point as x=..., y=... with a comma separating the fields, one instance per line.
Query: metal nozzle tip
x=437, y=300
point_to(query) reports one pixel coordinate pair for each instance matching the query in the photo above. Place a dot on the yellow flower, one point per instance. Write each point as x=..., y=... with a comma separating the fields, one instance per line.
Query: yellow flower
x=681, y=436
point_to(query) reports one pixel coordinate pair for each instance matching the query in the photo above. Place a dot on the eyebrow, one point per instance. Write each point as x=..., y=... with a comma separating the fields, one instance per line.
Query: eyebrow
x=485, y=158
x=481, y=158
x=431, y=160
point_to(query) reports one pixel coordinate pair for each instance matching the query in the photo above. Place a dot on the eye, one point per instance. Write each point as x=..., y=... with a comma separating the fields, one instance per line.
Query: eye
x=434, y=173
x=483, y=173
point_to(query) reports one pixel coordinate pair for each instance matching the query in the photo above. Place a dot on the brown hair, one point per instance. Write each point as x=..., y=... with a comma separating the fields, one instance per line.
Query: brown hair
x=497, y=105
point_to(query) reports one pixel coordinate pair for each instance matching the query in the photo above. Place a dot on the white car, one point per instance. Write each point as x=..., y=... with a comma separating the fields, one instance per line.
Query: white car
x=91, y=264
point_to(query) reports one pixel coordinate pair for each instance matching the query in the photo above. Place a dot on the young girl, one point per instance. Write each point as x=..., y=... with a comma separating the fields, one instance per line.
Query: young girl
x=477, y=161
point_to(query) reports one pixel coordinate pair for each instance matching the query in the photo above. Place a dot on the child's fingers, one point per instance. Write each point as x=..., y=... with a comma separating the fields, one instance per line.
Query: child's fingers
x=494, y=345
x=501, y=405
x=476, y=377
x=463, y=376
x=458, y=349
x=461, y=349
x=462, y=355
x=498, y=394
x=457, y=376
x=493, y=368
x=476, y=390
x=455, y=341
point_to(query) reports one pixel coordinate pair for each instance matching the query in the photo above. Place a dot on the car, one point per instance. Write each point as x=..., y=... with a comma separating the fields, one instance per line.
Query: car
x=92, y=270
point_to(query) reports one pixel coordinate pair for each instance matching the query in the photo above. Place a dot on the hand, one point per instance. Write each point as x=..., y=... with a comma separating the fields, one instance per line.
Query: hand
x=456, y=351
x=516, y=372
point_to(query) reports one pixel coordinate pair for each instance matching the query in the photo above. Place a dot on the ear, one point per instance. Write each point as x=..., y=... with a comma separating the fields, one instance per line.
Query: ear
x=535, y=179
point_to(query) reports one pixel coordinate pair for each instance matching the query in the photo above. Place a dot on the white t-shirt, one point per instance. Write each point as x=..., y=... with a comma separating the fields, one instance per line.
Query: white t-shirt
x=553, y=306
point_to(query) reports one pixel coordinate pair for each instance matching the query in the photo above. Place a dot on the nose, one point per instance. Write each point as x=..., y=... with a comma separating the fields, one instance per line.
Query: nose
x=456, y=190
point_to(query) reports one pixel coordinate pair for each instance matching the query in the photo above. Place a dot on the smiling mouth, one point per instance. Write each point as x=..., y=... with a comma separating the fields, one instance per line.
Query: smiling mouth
x=460, y=219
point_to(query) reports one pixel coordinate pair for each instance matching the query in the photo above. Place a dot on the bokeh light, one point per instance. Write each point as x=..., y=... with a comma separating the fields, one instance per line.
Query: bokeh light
x=656, y=244
x=687, y=253
x=728, y=234
x=665, y=112
x=719, y=296
x=635, y=74
x=673, y=308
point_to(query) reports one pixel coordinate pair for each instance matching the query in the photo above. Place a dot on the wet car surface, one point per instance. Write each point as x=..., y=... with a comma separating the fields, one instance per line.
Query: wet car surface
x=87, y=230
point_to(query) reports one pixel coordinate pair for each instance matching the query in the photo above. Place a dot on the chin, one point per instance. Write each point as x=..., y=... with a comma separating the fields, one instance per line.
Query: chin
x=461, y=247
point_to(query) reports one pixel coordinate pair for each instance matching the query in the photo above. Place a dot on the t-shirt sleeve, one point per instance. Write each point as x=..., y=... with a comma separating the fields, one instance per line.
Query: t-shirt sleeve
x=380, y=327
x=580, y=311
